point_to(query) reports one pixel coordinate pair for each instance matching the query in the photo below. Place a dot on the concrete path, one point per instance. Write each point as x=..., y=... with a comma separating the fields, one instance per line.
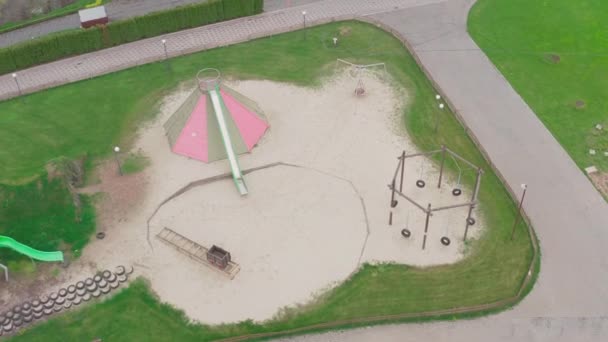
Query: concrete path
x=570, y=300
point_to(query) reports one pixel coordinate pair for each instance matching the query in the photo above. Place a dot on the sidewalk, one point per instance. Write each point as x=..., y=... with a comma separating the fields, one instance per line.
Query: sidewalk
x=189, y=41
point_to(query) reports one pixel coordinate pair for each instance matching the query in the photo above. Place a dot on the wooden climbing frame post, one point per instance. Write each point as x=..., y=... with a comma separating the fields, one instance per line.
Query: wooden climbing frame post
x=473, y=203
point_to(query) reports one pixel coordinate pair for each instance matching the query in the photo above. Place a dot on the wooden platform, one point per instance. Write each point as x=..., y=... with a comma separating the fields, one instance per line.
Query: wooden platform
x=195, y=251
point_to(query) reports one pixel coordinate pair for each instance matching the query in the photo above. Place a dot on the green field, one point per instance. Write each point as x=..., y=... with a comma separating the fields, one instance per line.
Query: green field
x=90, y=117
x=554, y=54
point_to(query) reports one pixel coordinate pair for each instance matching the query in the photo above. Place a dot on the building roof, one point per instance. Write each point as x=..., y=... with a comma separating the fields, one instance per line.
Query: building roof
x=94, y=13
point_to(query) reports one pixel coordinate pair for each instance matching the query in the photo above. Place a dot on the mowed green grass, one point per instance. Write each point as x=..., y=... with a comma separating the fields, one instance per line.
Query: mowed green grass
x=113, y=104
x=41, y=215
x=518, y=35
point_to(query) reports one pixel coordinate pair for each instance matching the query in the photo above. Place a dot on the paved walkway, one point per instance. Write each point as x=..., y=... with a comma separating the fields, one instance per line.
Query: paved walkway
x=570, y=300
x=117, y=10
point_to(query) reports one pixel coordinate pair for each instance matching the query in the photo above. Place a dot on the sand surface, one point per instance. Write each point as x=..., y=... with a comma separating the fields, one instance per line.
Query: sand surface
x=306, y=225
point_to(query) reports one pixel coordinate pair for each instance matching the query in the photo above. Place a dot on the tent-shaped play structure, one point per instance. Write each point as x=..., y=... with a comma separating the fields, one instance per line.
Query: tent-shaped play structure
x=216, y=122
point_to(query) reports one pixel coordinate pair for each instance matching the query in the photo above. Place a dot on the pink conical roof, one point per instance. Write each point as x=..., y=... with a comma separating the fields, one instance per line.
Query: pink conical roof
x=199, y=137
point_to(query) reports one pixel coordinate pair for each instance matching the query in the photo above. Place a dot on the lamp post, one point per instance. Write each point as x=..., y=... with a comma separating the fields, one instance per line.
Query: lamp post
x=335, y=41
x=17, y=83
x=521, y=202
x=164, y=41
x=304, y=18
x=116, y=151
x=441, y=106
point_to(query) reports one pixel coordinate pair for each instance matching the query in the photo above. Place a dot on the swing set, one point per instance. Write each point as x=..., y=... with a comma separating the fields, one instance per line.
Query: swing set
x=398, y=176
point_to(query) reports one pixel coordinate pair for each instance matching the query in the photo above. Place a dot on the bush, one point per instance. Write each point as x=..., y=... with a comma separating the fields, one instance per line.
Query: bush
x=7, y=64
x=65, y=44
x=121, y=32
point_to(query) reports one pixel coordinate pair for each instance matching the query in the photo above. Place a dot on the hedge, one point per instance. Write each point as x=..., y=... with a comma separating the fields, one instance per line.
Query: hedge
x=70, y=43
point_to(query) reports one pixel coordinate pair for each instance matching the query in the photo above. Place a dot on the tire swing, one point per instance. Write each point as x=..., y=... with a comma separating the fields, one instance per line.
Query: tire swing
x=445, y=240
x=421, y=183
x=471, y=221
x=457, y=191
x=405, y=232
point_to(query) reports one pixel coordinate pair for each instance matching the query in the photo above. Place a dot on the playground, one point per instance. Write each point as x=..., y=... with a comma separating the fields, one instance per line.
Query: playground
x=314, y=208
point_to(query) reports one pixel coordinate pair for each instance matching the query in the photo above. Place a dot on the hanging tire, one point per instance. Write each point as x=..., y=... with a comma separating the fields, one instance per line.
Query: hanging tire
x=394, y=203
x=406, y=233
x=456, y=192
x=471, y=221
x=100, y=235
x=420, y=183
x=445, y=241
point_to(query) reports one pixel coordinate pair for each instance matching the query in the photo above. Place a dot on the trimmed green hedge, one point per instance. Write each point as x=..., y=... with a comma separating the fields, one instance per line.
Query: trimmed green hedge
x=65, y=44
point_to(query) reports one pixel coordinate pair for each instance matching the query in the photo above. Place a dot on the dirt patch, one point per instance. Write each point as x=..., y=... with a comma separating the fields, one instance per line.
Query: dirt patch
x=600, y=179
x=579, y=104
x=119, y=194
x=345, y=30
x=552, y=58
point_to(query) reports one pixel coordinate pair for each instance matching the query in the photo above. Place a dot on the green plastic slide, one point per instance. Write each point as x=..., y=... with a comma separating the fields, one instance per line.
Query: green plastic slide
x=8, y=242
x=219, y=108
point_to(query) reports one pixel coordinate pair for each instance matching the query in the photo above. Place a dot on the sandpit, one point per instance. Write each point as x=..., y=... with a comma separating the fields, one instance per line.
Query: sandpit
x=306, y=225
x=291, y=240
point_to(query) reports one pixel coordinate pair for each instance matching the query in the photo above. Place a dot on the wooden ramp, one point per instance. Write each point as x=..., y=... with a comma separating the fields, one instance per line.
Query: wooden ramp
x=195, y=251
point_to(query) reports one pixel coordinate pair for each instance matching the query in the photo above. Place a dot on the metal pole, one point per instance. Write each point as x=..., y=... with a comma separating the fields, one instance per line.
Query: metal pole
x=116, y=151
x=390, y=218
x=402, y=171
x=521, y=203
x=5, y=272
x=164, y=41
x=17, y=83
x=473, y=201
x=437, y=117
x=441, y=168
x=426, y=225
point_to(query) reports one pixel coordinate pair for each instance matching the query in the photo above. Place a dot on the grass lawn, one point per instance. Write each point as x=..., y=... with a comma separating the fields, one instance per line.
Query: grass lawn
x=554, y=54
x=60, y=12
x=134, y=163
x=90, y=117
x=41, y=214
